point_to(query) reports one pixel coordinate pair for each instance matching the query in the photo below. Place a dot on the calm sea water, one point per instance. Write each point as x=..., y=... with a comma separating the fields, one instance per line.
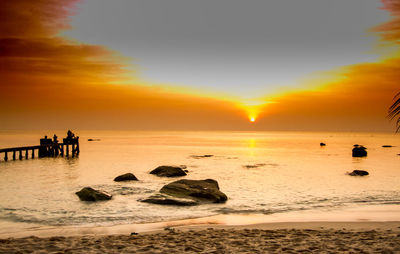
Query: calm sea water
x=261, y=173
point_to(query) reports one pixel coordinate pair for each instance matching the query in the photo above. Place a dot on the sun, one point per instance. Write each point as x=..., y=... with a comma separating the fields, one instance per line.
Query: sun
x=252, y=119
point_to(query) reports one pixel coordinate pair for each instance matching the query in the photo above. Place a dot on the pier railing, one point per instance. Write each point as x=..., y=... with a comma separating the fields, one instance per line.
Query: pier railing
x=51, y=149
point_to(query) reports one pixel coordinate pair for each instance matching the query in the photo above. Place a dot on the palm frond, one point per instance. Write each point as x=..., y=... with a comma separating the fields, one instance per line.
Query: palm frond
x=394, y=111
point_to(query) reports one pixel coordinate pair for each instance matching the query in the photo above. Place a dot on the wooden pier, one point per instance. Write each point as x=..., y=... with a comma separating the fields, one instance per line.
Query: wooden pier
x=47, y=148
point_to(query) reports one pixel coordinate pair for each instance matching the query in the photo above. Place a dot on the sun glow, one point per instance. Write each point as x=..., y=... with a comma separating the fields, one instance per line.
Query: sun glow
x=253, y=108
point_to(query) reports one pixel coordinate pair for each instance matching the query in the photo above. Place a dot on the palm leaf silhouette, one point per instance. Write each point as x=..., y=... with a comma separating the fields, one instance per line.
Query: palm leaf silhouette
x=394, y=111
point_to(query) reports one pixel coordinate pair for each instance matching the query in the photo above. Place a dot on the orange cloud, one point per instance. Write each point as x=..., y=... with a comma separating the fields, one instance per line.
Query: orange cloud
x=358, y=100
x=390, y=31
x=50, y=82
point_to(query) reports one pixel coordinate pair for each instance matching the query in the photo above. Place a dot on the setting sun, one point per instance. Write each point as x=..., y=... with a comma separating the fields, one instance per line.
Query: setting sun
x=252, y=119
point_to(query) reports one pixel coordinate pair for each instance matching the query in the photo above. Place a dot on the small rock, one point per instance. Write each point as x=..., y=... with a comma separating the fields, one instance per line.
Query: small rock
x=322, y=144
x=359, y=173
x=126, y=177
x=201, y=156
x=168, y=171
x=254, y=166
x=387, y=146
x=359, y=151
x=90, y=194
x=93, y=139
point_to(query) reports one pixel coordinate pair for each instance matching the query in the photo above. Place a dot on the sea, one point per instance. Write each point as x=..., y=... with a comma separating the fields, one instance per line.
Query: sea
x=264, y=174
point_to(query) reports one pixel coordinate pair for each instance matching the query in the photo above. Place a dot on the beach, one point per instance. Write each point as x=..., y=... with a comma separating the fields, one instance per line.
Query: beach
x=299, y=237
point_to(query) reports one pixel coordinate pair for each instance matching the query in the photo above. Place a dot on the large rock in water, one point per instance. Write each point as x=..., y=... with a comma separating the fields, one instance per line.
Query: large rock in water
x=90, y=194
x=126, y=177
x=359, y=151
x=205, y=191
x=168, y=171
x=359, y=173
x=188, y=192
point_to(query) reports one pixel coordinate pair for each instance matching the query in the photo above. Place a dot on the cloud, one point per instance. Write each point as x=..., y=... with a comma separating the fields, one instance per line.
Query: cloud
x=51, y=82
x=390, y=31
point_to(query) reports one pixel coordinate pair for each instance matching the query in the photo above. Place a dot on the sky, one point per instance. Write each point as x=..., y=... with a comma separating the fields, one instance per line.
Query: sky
x=232, y=47
x=312, y=65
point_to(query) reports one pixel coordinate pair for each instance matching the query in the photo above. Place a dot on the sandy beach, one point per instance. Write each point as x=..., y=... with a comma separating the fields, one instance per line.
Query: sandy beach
x=290, y=237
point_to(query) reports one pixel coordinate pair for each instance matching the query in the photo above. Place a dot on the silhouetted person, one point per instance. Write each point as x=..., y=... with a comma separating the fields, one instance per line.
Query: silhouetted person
x=55, y=140
x=70, y=135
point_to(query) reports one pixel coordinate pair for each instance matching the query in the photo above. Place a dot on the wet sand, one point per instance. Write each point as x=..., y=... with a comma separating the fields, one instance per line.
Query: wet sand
x=287, y=237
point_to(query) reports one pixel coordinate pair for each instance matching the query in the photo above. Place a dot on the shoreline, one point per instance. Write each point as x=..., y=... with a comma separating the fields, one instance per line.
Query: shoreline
x=357, y=218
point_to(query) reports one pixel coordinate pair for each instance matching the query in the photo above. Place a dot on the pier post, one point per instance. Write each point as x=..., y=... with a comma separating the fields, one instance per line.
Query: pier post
x=67, y=150
x=26, y=154
x=5, y=156
x=14, y=155
x=77, y=146
x=62, y=149
x=33, y=153
x=20, y=154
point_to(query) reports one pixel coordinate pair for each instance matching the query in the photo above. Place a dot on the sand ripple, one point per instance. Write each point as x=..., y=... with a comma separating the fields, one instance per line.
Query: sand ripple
x=216, y=241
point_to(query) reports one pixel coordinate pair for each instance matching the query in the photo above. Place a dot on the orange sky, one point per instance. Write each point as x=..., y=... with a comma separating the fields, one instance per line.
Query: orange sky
x=49, y=82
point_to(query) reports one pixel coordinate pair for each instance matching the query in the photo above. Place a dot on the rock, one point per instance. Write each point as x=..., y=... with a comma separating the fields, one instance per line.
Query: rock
x=126, y=177
x=359, y=173
x=187, y=193
x=387, y=146
x=168, y=171
x=89, y=194
x=163, y=199
x=205, y=191
x=93, y=139
x=322, y=144
x=359, y=151
x=254, y=166
x=202, y=156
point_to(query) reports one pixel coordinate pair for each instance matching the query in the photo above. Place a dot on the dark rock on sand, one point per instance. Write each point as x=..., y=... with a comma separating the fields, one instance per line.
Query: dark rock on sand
x=163, y=199
x=93, y=139
x=90, y=194
x=168, y=171
x=205, y=191
x=387, y=146
x=359, y=151
x=322, y=144
x=359, y=173
x=126, y=177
